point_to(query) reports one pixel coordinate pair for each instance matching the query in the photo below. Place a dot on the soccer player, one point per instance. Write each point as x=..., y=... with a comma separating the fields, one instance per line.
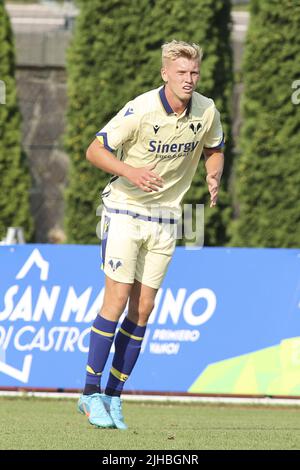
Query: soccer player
x=159, y=138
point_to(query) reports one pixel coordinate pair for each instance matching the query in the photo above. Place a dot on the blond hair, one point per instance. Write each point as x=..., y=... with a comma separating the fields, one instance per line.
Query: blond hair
x=175, y=49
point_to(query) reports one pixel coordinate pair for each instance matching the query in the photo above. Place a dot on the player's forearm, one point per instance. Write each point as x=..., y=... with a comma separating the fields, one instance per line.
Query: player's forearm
x=103, y=159
x=214, y=164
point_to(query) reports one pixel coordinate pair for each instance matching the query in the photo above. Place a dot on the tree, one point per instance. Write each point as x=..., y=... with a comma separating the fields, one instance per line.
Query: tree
x=268, y=169
x=103, y=62
x=14, y=172
x=115, y=56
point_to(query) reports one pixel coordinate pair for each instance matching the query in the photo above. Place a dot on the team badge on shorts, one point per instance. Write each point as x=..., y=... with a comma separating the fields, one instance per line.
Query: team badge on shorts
x=114, y=263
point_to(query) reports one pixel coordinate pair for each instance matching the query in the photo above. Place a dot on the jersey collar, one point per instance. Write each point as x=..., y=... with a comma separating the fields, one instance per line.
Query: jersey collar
x=166, y=105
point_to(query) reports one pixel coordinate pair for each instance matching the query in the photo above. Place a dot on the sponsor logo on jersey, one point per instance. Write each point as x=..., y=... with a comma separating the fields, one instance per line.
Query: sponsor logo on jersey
x=172, y=150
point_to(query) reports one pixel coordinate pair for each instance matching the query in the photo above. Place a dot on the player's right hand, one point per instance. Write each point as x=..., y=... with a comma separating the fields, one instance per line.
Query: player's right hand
x=145, y=178
x=213, y=182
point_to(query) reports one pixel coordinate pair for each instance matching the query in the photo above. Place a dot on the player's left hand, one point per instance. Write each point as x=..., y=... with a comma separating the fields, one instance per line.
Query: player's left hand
x=213, y=183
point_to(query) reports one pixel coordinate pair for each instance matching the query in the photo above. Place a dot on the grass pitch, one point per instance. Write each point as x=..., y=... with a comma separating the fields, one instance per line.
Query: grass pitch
x=33, y=423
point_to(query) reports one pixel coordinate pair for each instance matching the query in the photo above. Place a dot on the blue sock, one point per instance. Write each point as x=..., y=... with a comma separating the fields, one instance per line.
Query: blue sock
x=128, y=346
x=101, y=339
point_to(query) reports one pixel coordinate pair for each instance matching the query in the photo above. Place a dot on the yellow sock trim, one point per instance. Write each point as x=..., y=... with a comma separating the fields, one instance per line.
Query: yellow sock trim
x=103, y=333
x=137, y=338
x=119, y=375
x=91, y=371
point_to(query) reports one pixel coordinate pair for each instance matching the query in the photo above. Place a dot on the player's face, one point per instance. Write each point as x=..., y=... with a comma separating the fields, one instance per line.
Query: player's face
x=181, y=77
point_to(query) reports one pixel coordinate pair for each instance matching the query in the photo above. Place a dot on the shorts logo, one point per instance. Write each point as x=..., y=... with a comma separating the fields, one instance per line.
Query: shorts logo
x=194, y=128
x=115, y=264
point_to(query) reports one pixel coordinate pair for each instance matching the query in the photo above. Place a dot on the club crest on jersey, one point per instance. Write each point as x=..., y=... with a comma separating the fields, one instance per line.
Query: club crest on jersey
x=195, y=128
x=115, y=264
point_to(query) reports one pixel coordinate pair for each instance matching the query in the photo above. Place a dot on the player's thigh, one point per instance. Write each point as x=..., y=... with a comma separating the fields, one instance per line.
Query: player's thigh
x=120, y=247
x=155, y=255
x=151, y=268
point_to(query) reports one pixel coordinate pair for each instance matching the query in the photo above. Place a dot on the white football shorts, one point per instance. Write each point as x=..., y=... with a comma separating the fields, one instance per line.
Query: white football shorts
x=134, y=247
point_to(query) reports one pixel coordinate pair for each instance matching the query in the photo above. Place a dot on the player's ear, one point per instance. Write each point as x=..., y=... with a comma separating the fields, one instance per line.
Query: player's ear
x=164, y=74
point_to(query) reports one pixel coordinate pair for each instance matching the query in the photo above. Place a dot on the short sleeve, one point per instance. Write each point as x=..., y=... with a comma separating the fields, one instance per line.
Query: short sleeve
x=121, y=128
x=214, y=137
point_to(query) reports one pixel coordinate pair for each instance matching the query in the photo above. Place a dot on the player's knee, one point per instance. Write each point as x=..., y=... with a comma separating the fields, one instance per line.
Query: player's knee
x=120, y=300
x=140, y=310
x=115, y=305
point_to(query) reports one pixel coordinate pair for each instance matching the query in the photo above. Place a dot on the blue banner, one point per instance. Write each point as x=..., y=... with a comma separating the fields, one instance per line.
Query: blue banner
x=226, y=320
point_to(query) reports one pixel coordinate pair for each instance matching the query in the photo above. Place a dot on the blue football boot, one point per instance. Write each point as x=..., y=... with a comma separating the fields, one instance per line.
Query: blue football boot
x=113, y=406
x=93, y=407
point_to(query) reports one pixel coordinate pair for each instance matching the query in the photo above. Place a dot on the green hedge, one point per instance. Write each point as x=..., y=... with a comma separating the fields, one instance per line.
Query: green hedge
x=102, y=64
x=268, y=169
x=14, y=173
